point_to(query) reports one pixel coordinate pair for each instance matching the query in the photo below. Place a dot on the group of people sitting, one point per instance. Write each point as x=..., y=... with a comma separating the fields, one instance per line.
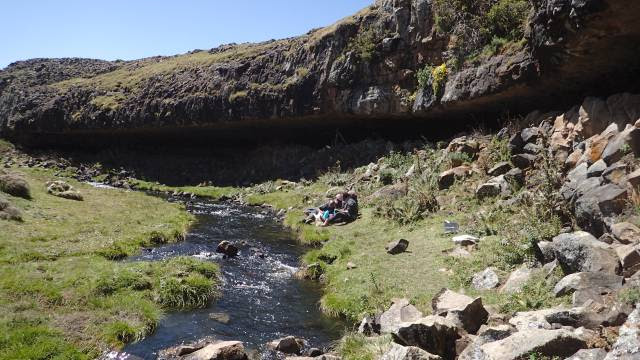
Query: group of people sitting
x=342, y=209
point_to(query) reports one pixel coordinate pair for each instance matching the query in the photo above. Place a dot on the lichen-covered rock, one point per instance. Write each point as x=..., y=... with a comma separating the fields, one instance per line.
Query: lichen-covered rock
x=627, y=347
x=14, y=184
x=64, y=190
x=485, y=280
x=562, y=343
x=582, y=252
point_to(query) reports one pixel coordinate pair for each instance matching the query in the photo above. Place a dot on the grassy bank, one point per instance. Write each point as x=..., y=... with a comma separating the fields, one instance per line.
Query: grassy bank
x=63, y=296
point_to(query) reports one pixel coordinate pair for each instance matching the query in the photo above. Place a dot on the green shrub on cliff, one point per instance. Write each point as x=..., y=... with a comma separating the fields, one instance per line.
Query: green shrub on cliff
x=506, y=19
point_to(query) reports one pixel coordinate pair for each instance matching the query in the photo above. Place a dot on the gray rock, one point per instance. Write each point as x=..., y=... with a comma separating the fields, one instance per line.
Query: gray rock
x=500, y=168
x=465, y=312
x=597, y=203
x=434, y=334
x=465, y=240
x=517, y=279
x=597, y=168
x=397, y=247
x=498, y=186
x=629, y=258
x=225, y=350
x=530, y=135
x=616, y=174
x=370, y=325
x=634, y=178
x=578, y=174
x=544, y=251
x=63, y=190
x=398, y=352
x=601, y=282
x=449, y=177
x=287, y=345
x=515, y=177
x=581, y=252
x=227, y=248
x=626, y=233
x=627, y=347
x=485, y=335
x=532, y=148
x=616, y=147
x=551, y=343
x=523, y=161
x=589, y=354
x=485, y=280
x=401, y=311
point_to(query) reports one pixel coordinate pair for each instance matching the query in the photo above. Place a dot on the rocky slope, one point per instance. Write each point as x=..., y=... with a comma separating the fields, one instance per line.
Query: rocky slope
x=364, y=67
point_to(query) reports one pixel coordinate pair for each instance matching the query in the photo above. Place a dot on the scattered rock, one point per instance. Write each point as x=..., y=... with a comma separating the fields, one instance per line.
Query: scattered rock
x=494, y=187
x=530, y=135
x=500, y=168
x=14, y=184
x=616, y=146
x=517, y=279
x=434, y=334
x=62, y=189
x=465, y=312
x=599, y=282
x=449, y=177
x=369, y=325
x=400, y=311
x=627, y=347
x=485, y=280
x=397, y=247
x=589, y=354
x=485, y=335
x=629, y=258
x=523, y=161
x=550, y=343
x=465, y=145
x=220, y=317
x=227, y=248
x=581, y=252
x=465, y=240
x=634, y=179
x=616, y=174
x=458, y=252
x=391, y=192
x=226, y=350
x=351, y=266
x=597, y=168
x=597, y=203
x=398, y=352
x=626, y=233
x=287, y=345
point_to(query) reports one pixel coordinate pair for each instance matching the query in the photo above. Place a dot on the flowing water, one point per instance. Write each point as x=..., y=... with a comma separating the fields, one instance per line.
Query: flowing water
x=261, y=299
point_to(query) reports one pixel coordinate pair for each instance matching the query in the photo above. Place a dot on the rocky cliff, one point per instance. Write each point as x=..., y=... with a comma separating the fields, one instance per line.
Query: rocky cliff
x=394, y=59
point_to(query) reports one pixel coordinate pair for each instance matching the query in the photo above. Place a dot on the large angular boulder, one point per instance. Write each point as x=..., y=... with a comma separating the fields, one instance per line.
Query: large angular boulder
x=562, y=343
x=464, y=311
x=485, y=280
x=401, y=311
x=627, y=347
x=629, y=258
x=225, y=350
x=523, y=161
x=485, y=336
x=582, y=252
x=517, y=279
x=287, y=345
x=449, y=177
x=598, y=203
x=434, y=334
x=498, y=186
x=597, y=168
x=601, y=282
x=589, y=354
x=399, y=352
x=500, y=168
x=616, y=174
x=626, y=233
x=618, y=145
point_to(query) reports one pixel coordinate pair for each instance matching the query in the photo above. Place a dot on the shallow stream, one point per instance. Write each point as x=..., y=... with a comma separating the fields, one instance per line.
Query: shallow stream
x=261, y=300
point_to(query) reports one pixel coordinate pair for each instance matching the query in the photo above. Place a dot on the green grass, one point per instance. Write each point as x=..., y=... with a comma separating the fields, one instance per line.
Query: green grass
x=359, y=347
x=210, y=192
x=61, y=297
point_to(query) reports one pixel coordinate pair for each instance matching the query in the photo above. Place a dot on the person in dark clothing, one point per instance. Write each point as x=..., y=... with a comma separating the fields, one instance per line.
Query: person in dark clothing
x=349, y=210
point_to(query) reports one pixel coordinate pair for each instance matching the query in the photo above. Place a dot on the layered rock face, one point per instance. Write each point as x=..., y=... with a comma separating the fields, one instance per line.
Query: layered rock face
x=361, y=68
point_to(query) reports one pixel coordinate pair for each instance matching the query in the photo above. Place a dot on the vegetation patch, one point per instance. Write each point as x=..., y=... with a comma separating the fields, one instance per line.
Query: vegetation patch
x=60, y=295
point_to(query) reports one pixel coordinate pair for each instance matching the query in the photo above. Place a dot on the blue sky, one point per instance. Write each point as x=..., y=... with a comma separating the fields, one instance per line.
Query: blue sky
x=131, y=29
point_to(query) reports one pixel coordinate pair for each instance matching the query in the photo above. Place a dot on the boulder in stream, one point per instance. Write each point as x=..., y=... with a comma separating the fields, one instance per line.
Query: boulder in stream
x=227, y=248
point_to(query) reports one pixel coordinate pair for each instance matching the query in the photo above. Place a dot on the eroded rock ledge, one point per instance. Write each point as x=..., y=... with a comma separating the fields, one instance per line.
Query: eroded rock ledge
x=572, y=49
